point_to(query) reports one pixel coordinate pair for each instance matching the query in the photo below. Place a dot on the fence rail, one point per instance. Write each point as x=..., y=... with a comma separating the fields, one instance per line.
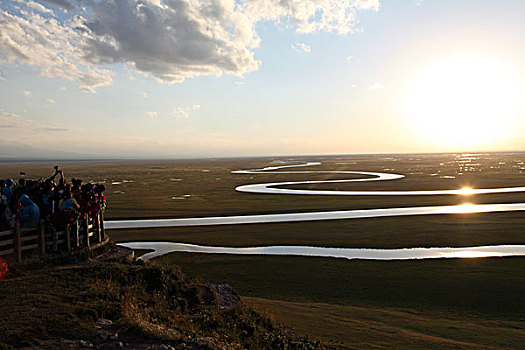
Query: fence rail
x=20, y=243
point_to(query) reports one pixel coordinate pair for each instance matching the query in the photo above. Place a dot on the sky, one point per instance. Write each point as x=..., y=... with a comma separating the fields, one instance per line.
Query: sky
x=227, y=78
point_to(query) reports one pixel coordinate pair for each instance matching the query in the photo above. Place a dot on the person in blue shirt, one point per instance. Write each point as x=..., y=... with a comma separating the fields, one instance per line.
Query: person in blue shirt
x=29, y=215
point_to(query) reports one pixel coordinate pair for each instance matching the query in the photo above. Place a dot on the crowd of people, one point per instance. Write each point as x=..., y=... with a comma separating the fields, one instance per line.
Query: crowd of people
x=55, y=203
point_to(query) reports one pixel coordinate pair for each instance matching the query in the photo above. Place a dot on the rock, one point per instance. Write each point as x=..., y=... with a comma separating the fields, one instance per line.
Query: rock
x=223, y=295
x=227, y=296
x=104, y=322
x=86, y=344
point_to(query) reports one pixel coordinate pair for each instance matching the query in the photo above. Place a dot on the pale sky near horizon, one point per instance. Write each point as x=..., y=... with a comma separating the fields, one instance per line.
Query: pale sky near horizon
x=245, y=78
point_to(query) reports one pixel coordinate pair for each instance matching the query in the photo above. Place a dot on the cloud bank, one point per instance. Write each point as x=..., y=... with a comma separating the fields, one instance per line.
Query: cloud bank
x=171, y=40
x=301, y=47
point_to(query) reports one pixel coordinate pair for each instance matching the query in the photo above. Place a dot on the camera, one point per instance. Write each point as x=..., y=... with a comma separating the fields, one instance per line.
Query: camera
x=22, y=173
x=55, y=167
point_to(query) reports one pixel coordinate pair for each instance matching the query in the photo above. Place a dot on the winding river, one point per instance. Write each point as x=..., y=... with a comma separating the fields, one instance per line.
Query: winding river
x=161, y=248
x=273, y=188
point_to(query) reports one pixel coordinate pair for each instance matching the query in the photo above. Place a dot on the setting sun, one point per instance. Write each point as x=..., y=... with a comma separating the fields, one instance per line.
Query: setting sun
x=463, y=100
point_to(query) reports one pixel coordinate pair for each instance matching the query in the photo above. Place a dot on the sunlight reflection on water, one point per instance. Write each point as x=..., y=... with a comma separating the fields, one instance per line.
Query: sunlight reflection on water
x=315, y=216
x=276, y=187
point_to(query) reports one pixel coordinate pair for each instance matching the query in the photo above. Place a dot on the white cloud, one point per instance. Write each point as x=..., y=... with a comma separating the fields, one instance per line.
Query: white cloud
x=350, y=58
x=239, y=82
x=27, y=93
x=183, y=111
x=301, y=47
x=56, y=129
x=144, y=94
x=12, y=120
x=375, y=86
x=50, y=101
x=54, y=46
x=172, y=40
x=34, y=6
x=62, y=88
x=151, y=115
x=19, y=125
x=308, y=16
x=38, y=7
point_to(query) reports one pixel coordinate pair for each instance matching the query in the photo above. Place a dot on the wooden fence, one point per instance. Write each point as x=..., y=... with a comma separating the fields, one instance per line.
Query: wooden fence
x=21, y=243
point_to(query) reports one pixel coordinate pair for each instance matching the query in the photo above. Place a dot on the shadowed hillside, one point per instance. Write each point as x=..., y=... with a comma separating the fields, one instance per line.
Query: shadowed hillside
x=112, y=305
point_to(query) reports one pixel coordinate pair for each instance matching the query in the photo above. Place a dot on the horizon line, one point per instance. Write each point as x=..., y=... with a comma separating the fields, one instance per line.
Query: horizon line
x=87, y=158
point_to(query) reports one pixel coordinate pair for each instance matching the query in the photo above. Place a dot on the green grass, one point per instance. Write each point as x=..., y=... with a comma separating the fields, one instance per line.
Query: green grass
x=488, y=287
x=356, y=327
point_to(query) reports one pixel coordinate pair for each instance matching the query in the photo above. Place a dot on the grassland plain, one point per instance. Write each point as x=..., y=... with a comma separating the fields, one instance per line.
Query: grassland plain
x=146, y=188
x=459, y=303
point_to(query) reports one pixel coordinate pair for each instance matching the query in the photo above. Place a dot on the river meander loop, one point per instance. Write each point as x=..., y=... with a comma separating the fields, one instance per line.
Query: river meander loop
x=161, y=248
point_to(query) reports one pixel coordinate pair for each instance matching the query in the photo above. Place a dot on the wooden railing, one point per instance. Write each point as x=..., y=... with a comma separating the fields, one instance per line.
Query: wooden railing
x=21, y=243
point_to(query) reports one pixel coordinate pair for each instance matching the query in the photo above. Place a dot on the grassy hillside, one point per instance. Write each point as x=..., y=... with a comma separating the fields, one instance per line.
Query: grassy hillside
x=65, y=307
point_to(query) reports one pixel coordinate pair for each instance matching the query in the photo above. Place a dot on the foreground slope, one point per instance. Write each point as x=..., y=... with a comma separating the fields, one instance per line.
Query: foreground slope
x=115, y=304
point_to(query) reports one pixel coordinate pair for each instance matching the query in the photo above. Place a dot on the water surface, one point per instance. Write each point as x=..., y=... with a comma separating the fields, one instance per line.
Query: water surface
x=315, y=216
x=162, y=248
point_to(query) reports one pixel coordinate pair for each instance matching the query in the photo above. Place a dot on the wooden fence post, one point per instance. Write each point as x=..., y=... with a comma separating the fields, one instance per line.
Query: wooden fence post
x=18, y=242
x=99, y=230
x=68, y=238
x=86, y=228
x=101, y=220
x=42, y=231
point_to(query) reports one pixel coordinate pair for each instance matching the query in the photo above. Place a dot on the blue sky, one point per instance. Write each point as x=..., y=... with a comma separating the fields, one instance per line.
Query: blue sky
x=260, y=78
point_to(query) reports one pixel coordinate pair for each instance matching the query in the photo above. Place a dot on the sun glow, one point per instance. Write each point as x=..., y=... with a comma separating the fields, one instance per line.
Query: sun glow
x=466, y=208
x=463, y=100
x=466, y=191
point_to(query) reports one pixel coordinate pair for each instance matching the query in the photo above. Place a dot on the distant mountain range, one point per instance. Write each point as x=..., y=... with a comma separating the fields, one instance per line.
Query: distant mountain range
x=20, y=151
